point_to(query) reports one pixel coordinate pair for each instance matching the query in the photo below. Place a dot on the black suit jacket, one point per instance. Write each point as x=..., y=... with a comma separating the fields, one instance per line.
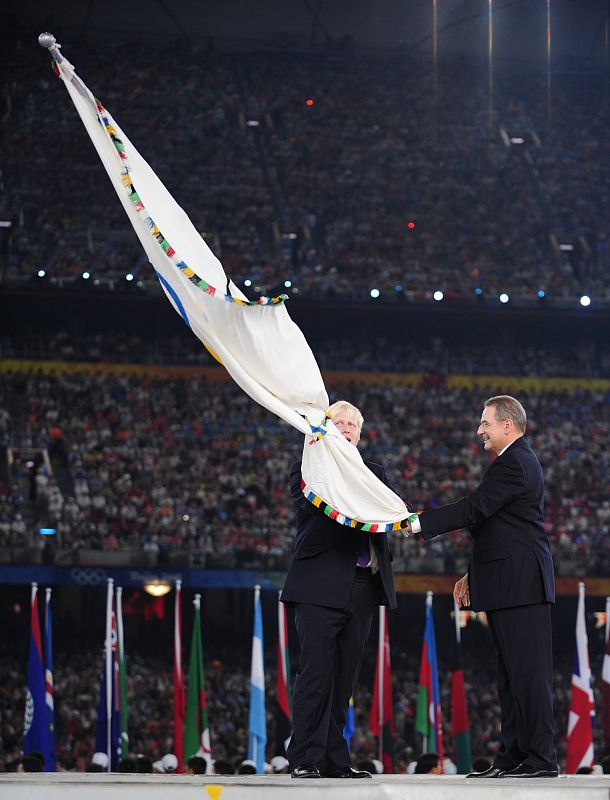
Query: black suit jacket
x=511, y=562
x=323, y=564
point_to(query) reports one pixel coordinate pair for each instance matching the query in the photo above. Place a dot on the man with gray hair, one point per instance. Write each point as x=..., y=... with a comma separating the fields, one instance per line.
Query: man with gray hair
x=511, y=577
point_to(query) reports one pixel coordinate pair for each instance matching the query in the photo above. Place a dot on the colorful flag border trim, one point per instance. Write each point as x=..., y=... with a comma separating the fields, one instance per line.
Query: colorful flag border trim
x=156, y=233
x=369, y=527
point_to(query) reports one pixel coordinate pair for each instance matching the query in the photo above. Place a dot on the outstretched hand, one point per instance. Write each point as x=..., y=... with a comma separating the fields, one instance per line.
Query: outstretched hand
x=461, y=592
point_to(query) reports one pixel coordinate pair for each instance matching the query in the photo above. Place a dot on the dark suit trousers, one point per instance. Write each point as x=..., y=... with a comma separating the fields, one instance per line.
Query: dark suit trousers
x=332, y=645
x=522, y=638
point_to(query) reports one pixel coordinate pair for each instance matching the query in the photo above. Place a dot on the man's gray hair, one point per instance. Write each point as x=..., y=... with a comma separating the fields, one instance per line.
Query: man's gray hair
x=508, y=407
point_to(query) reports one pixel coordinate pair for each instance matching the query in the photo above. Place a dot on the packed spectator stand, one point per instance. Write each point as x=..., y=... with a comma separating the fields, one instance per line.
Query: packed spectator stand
x=339, y=173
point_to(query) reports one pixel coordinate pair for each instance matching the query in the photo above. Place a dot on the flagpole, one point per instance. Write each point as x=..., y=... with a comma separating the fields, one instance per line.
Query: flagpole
x=456, y=615
x=428, y=606
x=254, y=739
x=109, y=676
x=380, y=687
x=122, y=678
x=48, y=680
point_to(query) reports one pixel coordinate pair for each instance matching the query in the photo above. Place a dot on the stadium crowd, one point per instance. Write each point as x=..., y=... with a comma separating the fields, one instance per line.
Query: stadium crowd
x=191, y=464
x=340, y=174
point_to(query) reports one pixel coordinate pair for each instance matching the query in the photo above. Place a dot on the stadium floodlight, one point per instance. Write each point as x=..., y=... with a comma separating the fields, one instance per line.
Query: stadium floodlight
x=375, y=293
x=41, y=273
x=86, y=275
x=129, y=277
x=247, y=282
x=438, y=295
x=288, y=284
x=504, y=298
x=585, y=300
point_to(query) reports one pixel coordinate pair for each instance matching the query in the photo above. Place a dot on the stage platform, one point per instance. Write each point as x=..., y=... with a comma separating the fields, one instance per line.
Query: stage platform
x=76, y=786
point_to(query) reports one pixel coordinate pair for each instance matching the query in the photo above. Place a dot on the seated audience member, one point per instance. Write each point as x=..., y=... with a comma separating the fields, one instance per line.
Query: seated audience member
x=428, y=764
x=223, y=767
x=196, y=766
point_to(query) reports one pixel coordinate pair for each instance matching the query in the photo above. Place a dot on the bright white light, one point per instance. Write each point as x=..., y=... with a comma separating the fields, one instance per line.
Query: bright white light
x=517, y=140
x=129, y=277
x=247, y=282
x=252, y=123
x=375, y=293
x=288, y=284
x=41, y=273
x=185, y=517
x=585, y=300
x=504, y=298
x=566, y=247
x=86, y=275
x=438, y=295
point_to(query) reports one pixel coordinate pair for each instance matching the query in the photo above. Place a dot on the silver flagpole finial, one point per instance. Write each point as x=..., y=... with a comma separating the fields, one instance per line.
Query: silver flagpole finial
x=49, y=42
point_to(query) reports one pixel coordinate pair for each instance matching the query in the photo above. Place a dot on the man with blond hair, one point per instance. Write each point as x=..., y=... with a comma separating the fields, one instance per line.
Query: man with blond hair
x=337, y=577
x=511, y=577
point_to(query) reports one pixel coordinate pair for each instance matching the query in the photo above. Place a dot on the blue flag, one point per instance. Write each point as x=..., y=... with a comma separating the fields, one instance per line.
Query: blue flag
x=101, y=734
x=258, y=724
x=51, y=765
x=36, y=729
x=350, y=723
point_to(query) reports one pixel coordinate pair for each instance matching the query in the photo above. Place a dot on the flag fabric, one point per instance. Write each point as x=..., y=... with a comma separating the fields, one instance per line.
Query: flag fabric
x=283, y=723
x=428, y=716
x=257, y=722
x=179, y=704
x=582, y=708
x=196, y=730
x=381, y=722
x=122, y=664
x=36, y=721
x=108, y=729
x=51, y=763
x=606, y=684
x=460, y=729
x=263, y=350
x=350, y=723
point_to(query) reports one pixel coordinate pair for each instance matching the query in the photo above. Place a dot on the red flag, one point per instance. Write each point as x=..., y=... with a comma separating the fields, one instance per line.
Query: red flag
x=582, y=709
x=179, y=704
x=606, y=684
x=382, y=711
x=283, y=724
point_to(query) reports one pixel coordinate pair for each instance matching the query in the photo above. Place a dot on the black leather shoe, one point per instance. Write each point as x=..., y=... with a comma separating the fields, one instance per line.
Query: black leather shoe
x=348, y=772
x=306, y=771
x=525, y=771
x=492, y=772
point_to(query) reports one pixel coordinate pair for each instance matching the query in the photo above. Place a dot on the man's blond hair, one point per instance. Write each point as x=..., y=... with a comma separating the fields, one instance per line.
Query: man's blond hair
x=343, y=407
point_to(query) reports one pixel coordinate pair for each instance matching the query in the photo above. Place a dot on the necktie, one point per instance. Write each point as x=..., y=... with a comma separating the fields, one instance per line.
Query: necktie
x=364, y=550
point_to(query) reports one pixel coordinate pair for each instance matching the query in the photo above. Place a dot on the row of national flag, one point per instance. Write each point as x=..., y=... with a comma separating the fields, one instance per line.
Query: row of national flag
x=191, y=729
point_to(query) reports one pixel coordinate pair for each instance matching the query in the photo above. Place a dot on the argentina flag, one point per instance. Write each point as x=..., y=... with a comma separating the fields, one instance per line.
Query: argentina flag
x=257, y=725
